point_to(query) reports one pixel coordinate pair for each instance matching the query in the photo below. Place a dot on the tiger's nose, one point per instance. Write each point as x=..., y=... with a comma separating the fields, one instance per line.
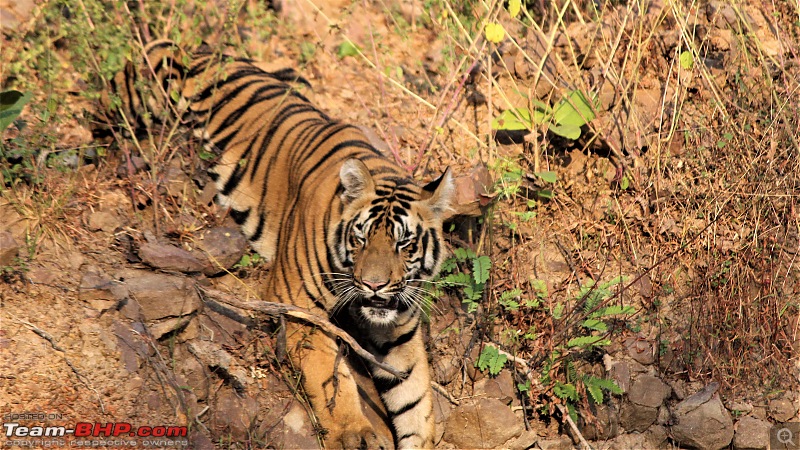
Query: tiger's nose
x=376, y=285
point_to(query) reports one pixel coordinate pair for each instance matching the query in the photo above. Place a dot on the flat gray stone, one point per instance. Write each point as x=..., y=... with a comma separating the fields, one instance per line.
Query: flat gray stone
x=707, y=426
x=169, y=257
x=160, y=296
x=751, y=434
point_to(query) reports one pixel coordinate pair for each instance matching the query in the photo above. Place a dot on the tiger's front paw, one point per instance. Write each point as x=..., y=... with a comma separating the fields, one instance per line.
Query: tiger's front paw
x=364, y=438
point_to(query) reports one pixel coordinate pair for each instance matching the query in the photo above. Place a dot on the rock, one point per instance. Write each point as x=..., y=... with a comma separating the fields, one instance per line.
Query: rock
x=473, y=191
x=702, y=424
x=222, y=362
x=9, y=248
x=526, y=440
x=15, y=12
x=166, y=326
x=751, y=434
x=606, y=425
x=482, y=423
x=220, y=248
x=160, y=296
x=445, y=369
x=664, y=416
x=169, y=257
x=635, y=417
x=722, y=14
x=649, y=391
x=103, y=221
x=640, y=350
x=501, y=387
x=654, y=437
x=296, y=430
x=129, y=345
x=137, y=165
x=199, y=441
x=781, y=409
x=560, y=443
x=233, y=415
x=177, y=184
x=621, y=374
x=100, y=290
x=740, y=406
x=645, y=396
x=678, y=388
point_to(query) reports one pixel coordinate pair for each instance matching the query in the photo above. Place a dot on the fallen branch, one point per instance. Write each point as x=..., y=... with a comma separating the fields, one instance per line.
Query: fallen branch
x=277, y=310
x=443, y=392
x=574, y=427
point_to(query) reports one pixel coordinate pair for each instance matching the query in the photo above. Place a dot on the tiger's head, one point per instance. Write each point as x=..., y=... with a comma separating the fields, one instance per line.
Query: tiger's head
x=388, y=241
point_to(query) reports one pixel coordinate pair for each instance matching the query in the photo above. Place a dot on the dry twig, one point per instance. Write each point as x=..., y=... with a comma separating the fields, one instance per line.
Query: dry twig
x=277, y=310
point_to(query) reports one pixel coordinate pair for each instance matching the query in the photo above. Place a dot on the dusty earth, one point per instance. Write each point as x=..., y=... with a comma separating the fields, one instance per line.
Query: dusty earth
x=115, y=263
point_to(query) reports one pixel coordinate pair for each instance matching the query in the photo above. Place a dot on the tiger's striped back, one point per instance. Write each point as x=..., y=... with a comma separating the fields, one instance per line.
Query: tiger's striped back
x=349, y=234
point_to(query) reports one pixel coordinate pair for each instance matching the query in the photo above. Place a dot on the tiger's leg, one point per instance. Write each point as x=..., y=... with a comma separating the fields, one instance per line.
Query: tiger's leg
x=409, y=402
x=331, y=388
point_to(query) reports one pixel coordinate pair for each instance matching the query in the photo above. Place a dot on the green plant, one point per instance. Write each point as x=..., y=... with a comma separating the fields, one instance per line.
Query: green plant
x=491, y=359
x=467, y=273
x=11, y=104
x=559, y=371
x=248, y=260
x=565, y=119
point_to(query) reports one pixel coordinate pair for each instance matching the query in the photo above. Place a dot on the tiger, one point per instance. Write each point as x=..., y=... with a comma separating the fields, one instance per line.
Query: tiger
x=347, y=232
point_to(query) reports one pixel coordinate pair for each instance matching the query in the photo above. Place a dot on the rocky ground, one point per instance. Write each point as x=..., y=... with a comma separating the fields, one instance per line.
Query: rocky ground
x=118, y=271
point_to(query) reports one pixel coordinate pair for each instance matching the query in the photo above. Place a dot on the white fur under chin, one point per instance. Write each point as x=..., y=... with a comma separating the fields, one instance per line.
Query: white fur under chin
x=379, y=316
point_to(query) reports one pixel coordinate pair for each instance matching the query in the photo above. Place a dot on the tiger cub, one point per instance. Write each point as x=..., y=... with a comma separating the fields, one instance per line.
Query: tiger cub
x=347, y=231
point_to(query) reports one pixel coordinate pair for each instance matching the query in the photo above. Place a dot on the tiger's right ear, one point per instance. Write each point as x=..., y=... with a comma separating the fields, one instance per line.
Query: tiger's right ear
x=356, y=180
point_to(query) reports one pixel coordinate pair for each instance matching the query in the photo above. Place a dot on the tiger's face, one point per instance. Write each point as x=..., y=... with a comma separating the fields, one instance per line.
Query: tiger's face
x=388, y=242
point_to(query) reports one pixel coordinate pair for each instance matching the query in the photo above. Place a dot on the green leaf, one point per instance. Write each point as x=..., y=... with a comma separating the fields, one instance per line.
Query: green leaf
x=347, y=48
x=480, y=269
x=603, y=383
x=547, y=177
x=558, y=311
x=492, y=360
x=624, y=183
x=588, y=341
x=576, y=110
x=513, y=120
x=686, y=60
x=565, y=391
x=514, y=6
x=11, y=103
x=495, y=32
x=595, y=324
x=613, y=310
x=545, y=193
x=595, y=392
x=524, y=387
x=570, y=132
x=539, y=287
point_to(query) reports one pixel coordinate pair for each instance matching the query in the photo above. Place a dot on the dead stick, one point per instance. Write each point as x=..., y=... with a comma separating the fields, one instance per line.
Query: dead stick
x=275, y=310
x=574, y=427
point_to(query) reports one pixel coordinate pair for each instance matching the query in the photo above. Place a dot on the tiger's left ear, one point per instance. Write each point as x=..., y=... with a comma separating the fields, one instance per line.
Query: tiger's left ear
x=442, y=193
x=356, y=180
